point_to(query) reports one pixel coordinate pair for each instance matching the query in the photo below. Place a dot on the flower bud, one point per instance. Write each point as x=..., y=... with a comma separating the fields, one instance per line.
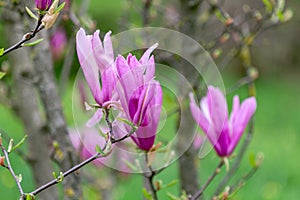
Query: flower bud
x=50, y=18
x=43, y=4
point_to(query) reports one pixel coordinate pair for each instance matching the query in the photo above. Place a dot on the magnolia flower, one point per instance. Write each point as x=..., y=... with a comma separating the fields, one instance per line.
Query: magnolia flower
x=97, y=59
x=140, y=96
x=43, y=4
x=58, y=42
x=212, y=117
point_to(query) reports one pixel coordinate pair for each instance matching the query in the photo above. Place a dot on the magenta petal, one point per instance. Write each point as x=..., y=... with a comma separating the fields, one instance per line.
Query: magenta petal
x=43, y=4
x=121, y=66
x=235, y=110
x=104, y=55
x=244, y=114
x=108, y=80
x=144, y=98
x=198, y=115
x=130, y=79
x=217, y=108
x=145, y=135
x=88, y=63
x=109, y=51
x=150, y=69
x=144, y=59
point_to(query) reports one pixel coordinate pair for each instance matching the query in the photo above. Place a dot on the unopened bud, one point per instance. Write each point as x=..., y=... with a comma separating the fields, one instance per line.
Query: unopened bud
x=43, y=4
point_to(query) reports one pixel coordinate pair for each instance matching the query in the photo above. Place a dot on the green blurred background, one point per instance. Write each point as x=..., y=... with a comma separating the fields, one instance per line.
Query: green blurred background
x=277, y=125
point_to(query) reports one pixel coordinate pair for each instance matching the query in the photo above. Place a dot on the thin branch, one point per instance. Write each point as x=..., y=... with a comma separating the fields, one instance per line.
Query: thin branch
x=150, y=178
x=26, y=37
x=9, y=167
x=65, y=174
x=85, y=162
x=242, y=181
x=210, y=179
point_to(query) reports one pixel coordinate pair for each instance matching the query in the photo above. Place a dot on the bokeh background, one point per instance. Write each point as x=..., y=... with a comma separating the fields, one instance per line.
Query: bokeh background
x=277, y=120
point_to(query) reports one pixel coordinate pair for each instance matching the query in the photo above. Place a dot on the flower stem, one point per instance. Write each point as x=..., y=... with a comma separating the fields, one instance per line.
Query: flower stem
x=150, y=178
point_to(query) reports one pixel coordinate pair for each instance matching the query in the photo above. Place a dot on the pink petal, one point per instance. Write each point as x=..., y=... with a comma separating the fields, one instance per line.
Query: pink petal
x=130, y=78
x=109, y=51
x=144, y=97
x=198, y=115
x=104, y=55
x=88, y=63
x=145, y=135
x=149, y=69
x=243, y=115
x=108, y=80
x=218, y=108
x=144, y=59
x=234, y=112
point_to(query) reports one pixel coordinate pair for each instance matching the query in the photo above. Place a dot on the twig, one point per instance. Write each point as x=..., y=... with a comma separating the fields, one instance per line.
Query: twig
x=26, y=37
x=150, y=178
x=65, y=174
x=77, y=167
x=9, y=167
x=242, y=181
x=210, y=179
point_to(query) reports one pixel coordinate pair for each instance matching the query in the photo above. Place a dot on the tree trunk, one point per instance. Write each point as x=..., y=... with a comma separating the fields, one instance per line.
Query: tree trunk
x=55, y=118
x=187, y=162
x=27, y=105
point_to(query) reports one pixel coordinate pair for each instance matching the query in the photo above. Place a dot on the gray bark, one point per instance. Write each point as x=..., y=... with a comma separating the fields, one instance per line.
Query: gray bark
x=55, y=118
x=27, y=105
x=188, y=171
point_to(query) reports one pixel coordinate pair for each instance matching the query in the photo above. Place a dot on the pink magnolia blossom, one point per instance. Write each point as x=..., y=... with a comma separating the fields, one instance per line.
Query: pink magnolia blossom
x=140, y=96
x=43, y=4
x=212, y=117
x=133, y=80
x=97, y=62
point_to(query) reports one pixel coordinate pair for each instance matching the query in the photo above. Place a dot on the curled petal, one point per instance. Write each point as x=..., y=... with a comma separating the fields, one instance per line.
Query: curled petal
x=144, y=59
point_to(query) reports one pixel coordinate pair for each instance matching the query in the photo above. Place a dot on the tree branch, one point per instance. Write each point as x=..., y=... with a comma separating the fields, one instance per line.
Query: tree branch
x=65, y=174
x=9, y=167
x=150, y=179
x=26, y=37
